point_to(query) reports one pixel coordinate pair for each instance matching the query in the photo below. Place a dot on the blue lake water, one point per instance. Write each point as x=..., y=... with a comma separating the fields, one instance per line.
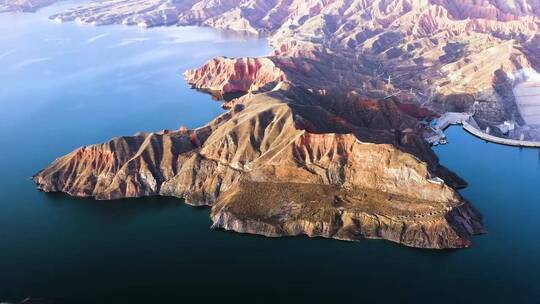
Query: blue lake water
x=65, y=85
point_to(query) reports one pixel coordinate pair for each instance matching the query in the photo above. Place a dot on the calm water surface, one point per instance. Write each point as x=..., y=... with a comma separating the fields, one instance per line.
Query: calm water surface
x=64, y=85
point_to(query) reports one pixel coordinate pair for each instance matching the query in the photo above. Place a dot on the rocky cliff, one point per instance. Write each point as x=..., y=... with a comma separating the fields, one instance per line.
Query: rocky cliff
x=223, y=76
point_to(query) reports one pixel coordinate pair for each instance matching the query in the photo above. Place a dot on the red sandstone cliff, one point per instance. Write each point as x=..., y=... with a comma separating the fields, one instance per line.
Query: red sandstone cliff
x=223, y=75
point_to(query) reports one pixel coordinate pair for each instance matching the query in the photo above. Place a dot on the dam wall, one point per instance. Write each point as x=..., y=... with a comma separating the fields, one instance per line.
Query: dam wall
x=469, y=124
x=499, y=140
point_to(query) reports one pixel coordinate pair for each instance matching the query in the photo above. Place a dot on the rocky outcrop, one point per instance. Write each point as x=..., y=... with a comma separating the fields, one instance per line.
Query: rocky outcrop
x=222, y=75
x=287, y=162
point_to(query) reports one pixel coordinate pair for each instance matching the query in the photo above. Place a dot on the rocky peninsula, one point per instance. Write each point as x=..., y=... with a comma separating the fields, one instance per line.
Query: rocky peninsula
x=328, y=137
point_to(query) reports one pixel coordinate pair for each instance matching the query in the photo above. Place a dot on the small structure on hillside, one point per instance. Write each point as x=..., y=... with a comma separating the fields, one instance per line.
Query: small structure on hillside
x=506, y=127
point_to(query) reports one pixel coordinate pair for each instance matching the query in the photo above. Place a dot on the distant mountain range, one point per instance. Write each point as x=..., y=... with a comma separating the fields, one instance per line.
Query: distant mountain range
x=445, y=54
x=23, y=5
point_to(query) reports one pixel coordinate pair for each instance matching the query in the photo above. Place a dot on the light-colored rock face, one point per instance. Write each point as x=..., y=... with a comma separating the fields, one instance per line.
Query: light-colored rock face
x=264, y=172
x=527, y=100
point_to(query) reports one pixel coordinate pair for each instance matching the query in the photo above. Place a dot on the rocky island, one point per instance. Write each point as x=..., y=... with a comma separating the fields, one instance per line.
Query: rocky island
x=329, y=135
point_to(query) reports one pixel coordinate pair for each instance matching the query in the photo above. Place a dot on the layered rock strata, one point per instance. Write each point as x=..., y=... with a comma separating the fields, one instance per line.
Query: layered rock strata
x=223, y=76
